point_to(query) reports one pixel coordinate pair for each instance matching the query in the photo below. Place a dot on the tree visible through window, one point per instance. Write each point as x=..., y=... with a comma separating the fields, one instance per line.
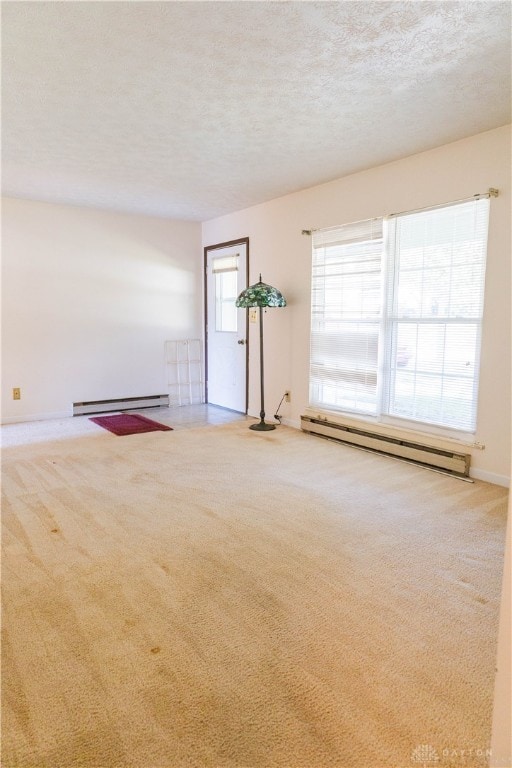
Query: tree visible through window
x=396, y=316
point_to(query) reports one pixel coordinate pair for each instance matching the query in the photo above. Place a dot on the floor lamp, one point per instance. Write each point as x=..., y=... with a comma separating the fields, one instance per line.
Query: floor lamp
x=261, y=295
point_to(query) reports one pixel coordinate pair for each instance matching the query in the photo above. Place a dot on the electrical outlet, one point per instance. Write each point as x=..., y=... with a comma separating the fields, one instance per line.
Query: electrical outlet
x=288, y=397
x=16, y=393
x=253, y=315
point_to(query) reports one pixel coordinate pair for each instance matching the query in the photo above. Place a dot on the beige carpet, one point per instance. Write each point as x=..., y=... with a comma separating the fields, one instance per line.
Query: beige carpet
x=220, y=598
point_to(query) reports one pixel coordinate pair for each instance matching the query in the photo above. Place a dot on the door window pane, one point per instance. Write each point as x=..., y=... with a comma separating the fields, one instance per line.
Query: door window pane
x=226, y=313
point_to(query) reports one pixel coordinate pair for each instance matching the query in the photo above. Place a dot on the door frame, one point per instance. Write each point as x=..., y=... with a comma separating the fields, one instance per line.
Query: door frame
x=206, y=250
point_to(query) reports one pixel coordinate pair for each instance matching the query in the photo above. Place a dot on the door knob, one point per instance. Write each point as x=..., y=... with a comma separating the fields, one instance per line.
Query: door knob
x=241, y=341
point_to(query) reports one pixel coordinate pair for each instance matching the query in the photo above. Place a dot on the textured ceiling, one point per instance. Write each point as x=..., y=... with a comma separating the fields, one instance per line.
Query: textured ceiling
x=195, y=109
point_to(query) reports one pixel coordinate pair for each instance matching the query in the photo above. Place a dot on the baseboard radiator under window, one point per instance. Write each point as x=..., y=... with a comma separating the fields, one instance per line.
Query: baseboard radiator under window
x=453, y=463
x=121, y=404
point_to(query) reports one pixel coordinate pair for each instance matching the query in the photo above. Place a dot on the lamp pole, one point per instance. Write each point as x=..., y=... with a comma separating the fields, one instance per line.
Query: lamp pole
x=262, y=426
x=261, y=295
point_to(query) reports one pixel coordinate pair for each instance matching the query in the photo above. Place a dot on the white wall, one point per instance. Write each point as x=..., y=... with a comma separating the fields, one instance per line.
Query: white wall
x=89, y=298
x=283, y=255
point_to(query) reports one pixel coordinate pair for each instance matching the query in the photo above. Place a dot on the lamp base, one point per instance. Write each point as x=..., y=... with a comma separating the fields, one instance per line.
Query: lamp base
x=262, y=426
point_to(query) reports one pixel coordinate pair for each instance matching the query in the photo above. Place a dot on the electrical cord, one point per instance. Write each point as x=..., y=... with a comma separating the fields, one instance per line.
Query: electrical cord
x=277, y=416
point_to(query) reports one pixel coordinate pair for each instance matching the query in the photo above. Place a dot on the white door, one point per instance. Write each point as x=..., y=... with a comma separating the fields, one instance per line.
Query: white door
x=226, y=326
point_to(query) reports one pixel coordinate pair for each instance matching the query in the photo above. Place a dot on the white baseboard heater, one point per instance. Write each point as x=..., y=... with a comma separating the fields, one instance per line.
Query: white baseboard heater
x=453, y=463
x=121, y=404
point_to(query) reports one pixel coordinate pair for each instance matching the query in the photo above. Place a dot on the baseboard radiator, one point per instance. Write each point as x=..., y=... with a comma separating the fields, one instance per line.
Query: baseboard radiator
x=122, y=404
x=453, y=463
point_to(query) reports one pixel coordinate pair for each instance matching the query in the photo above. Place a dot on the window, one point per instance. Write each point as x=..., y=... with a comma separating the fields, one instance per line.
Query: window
x=346, y=316
x=396, y=316
x=225, y=269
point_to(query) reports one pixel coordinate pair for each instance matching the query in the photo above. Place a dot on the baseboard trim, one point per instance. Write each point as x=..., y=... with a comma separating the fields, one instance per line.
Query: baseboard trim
x=35, y=417
x=291, y=423
x=489, y=477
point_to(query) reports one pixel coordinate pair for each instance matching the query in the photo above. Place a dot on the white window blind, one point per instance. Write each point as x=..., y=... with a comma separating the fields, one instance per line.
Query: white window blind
x=225, y=263
x=346, y=311
x=396, y=316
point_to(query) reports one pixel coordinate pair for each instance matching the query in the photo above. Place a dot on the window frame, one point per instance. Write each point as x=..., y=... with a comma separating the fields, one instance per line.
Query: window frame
x=388, y=334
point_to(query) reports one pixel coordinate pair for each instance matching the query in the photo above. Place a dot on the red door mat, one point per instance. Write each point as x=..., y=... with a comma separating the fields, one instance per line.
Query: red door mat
x=129, y=424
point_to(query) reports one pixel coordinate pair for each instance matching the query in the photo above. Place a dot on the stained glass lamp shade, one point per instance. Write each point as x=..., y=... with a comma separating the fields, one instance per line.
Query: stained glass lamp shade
x=261, y=295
